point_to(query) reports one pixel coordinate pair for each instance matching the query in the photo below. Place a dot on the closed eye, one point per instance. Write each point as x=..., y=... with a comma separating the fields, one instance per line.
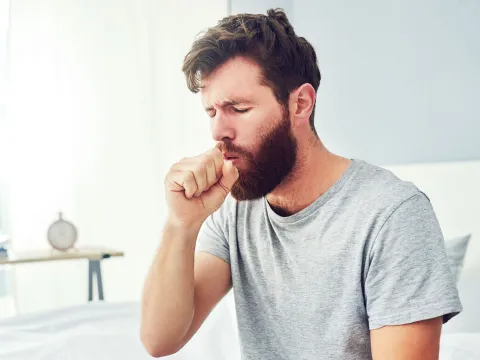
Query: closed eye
x=241, y=111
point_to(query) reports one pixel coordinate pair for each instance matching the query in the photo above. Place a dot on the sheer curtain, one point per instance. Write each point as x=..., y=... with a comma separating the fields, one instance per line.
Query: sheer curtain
x=4, y=10
x=99, y=111
x=6, y=275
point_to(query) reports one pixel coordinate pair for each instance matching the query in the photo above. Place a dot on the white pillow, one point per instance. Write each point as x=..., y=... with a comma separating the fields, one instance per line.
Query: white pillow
x=461, y=346
x=456, y=249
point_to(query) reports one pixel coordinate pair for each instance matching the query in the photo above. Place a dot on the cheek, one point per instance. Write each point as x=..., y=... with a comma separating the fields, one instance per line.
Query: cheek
x=248, y=135
x=252, y=125
x=252, y=129
x=252, y=138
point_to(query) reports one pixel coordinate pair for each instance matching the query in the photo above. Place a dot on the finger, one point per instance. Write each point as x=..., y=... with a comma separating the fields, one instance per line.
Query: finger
x=188, y=163
x=184, y=165
x=189, y=184
x=218, y=159
x=229, y=176
x=200, y=174
x=174, y=181
x=211, y=173
x=182, y=181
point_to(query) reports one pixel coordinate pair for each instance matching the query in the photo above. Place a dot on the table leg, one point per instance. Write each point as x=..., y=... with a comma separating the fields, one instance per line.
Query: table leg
x=98, y=270
x=94, y=268
x=90, y=280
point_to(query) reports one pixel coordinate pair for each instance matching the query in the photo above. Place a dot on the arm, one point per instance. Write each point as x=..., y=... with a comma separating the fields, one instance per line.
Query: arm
x=409, y=288
x=416, y=341
x=181, y=289
x=180, y=292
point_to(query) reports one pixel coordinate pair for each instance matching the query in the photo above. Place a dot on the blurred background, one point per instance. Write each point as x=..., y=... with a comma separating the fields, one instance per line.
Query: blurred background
x=94, y=110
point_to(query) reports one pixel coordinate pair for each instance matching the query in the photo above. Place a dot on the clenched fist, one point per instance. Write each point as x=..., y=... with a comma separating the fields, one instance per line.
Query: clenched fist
x=196, y=187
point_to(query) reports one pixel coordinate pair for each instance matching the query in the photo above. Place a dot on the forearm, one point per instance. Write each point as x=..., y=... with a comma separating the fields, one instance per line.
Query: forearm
x=168, y=298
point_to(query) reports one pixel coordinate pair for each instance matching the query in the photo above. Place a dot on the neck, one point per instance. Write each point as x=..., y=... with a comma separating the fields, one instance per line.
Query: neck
x=314, y=172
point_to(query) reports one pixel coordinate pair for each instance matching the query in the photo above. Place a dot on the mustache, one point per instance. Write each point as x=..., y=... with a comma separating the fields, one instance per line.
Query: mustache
x=227, y=146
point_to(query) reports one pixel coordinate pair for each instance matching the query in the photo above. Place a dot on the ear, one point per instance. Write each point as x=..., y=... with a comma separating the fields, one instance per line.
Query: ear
x=301, y=105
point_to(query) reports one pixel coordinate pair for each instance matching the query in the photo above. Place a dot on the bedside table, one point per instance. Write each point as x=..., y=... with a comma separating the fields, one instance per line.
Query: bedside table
x=94, y=255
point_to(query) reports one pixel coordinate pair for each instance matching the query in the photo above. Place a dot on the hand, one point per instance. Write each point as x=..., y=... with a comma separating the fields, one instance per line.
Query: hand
x=196, y=187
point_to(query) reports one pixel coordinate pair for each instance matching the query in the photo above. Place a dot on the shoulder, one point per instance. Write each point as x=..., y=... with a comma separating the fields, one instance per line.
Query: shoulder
x=381, y=190
x=395, y=208
x=380, y=200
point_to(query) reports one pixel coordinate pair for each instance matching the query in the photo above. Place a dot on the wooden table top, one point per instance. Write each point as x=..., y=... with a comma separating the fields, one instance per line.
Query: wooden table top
x=90, y=253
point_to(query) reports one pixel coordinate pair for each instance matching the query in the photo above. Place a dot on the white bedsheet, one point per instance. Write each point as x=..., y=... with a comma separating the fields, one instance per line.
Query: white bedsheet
x=100, y=331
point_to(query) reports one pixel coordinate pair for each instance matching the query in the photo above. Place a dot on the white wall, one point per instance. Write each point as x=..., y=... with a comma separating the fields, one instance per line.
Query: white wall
x=453, y=188
x=99, y=111
x=259, y=6
x=400, y=79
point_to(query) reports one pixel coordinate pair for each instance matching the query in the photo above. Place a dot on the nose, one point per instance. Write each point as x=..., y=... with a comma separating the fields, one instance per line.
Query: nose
x=221, y=127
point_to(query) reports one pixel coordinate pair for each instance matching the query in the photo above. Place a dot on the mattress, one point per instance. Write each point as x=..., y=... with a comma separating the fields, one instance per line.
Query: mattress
x=102, y=330
x=98, y=331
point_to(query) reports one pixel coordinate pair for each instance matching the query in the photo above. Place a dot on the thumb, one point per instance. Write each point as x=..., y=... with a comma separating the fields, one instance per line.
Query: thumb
x=229, y=176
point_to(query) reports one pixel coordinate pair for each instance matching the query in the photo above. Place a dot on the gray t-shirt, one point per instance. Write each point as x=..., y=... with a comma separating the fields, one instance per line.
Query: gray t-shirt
x=368, y=253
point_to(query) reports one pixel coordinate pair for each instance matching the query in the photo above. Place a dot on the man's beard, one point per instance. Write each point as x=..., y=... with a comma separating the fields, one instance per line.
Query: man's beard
x=271, y=164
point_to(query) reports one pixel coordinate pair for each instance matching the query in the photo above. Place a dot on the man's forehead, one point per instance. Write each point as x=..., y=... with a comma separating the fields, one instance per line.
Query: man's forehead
x=241, y=66
x=229, y=95
x=236, y=75
x=230, y=84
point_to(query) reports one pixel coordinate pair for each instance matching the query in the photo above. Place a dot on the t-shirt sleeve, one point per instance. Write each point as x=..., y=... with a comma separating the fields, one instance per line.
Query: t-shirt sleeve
x=408, y=278
x=212, y=237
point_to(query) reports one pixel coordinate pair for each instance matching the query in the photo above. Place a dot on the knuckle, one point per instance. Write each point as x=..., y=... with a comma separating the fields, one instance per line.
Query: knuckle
x=211, y=163
x=178, y=164
x=205, y=159
x=199, y=168
x=214, y=153
x=169, y=174
x=188, y=176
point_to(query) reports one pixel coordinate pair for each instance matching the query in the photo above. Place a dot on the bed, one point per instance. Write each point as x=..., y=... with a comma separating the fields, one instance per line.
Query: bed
x=110, y=331
x=102, y=330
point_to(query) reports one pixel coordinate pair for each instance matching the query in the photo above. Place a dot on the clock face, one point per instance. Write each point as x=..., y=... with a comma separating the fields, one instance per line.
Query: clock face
x=62, y=235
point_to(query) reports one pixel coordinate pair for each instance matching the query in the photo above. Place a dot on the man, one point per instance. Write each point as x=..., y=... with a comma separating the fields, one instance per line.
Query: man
x=329, y=258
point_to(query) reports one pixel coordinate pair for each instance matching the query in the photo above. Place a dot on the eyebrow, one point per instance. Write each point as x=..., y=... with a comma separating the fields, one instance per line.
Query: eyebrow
x=224, y=104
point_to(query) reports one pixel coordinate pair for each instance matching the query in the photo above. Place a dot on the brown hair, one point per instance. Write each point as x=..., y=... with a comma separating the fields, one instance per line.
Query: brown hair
x=287, y=60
